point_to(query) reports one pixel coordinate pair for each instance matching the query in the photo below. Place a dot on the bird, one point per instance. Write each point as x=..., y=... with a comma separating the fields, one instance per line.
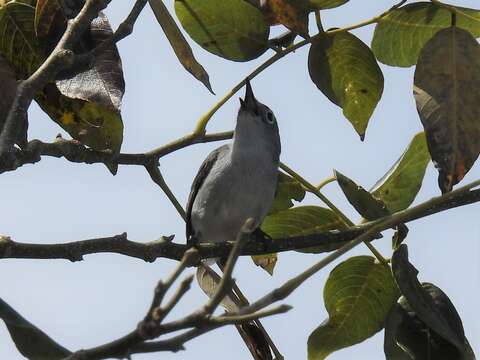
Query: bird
x=236, y=182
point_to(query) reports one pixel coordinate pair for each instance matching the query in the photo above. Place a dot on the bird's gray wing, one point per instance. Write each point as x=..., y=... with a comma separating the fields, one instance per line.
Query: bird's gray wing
x=197, y=184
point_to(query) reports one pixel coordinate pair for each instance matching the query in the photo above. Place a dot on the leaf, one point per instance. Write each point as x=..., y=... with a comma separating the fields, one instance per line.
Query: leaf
x=326, y=4
x=288, y=189
x=90, y=123
x=428, y=303
x=50, y=22
x=447, y=78
x=102, y=83
x=209, y=280
x=346, y=72
x=18, y=43
x=232, y=29
x=366, y=205
x=266, y=262
x=407, y=337
x=179, y=44
x=358, y=296
x=303, y=220
x=32, y=342
x=293, y=14
x=400, y=185
x=400, y=35
x=9, y=89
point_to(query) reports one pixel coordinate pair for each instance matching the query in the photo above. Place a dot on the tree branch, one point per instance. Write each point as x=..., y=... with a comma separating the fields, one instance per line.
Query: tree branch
x=331, y=240
x=74, y=151
x=198, y=322
x=59, y=59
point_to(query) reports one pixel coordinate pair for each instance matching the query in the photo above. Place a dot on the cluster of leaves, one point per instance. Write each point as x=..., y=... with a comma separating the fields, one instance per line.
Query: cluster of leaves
x=346, y=70
x=361, y=295
x=85, y=101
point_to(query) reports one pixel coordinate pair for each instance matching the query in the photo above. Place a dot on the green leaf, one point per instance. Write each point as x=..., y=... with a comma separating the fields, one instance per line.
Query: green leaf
x=447, y=79
x=400, y=185
x=346, y=71
x=366, y=205
x=18, y=42
x=288, y=189
x=358, y=296
x=232, y=29
x=400, y=35
x=430, y=306
x=303, y=220
x=90, y=123
x=326, y=4
x=32, y=342
x=179, y=44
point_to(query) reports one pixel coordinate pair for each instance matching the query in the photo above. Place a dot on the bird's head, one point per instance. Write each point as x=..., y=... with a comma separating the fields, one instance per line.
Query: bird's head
x=256, y=123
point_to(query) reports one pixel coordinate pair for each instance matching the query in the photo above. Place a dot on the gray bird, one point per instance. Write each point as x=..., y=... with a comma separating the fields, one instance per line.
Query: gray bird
x=236, y=181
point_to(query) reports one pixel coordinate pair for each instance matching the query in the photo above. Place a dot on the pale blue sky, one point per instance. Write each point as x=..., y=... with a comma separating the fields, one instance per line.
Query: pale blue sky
x=91, y=302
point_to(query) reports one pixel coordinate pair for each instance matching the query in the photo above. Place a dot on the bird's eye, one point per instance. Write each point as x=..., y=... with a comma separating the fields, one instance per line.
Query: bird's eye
x=269, y=117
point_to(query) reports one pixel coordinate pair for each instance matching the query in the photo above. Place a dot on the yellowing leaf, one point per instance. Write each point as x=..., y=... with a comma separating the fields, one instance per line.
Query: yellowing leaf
x=90, y=123
x=266, y=262
x=400, y=35
x=346, y=72
x=179, y=44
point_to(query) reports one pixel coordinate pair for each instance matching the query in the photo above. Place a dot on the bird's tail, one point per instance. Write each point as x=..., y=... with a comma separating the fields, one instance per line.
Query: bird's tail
x=253, y=334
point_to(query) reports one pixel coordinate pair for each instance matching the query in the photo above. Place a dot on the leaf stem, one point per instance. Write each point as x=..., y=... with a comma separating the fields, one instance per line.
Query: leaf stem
x=200, y=128
x=325, y=182
x=314, y=190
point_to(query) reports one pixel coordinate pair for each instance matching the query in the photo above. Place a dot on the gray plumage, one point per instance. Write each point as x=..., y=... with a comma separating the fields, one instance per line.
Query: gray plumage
x=236, y=181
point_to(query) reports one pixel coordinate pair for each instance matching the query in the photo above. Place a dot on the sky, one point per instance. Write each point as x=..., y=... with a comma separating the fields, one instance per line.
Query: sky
x=88, y=303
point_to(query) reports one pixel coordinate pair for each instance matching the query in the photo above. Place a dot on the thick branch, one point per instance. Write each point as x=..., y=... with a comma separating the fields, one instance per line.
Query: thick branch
x=76, y=152
x=59, y=59
x=74, y=251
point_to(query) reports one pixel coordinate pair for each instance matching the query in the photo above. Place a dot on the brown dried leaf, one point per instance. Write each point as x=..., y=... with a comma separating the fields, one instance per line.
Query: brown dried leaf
x=293, y=14
x=447, y=79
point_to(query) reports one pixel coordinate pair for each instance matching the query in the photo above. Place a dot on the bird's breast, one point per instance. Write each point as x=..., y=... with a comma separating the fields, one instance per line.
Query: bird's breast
x=233, y=192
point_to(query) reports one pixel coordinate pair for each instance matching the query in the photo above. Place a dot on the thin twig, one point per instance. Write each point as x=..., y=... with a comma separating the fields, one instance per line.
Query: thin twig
x=59, y=59
x=398, y=218
x=74, y=251
x=313, y=189
x=205, y=118
x=158, y=179
x=226, y=282
x=74, y=151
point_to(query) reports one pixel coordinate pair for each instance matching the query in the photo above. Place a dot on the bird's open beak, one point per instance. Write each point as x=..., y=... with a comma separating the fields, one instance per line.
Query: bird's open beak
x=249, y=102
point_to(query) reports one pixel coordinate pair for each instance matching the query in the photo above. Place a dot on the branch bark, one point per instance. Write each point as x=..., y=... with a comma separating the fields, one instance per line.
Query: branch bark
x=74, y=151
x=165, y=248
x=59, y=59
